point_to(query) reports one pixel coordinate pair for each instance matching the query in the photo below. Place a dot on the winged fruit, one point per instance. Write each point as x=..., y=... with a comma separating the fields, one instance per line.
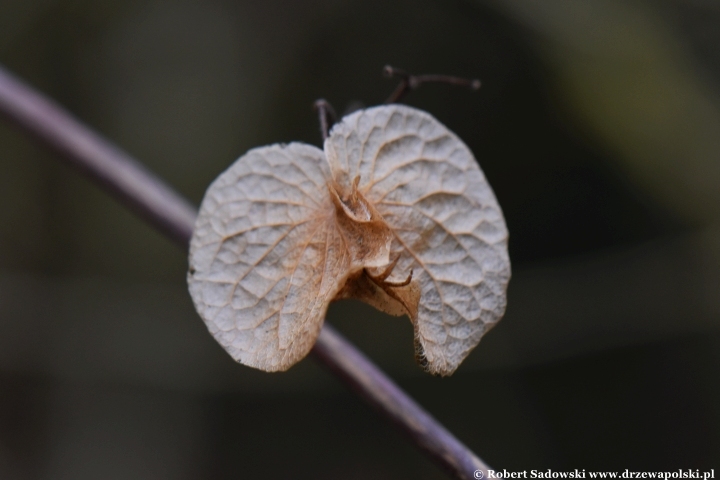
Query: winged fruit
x=395, y=211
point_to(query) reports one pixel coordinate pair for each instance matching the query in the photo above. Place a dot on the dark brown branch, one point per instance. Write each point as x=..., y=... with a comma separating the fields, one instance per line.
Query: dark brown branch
x=409, y=82
x=147, y=195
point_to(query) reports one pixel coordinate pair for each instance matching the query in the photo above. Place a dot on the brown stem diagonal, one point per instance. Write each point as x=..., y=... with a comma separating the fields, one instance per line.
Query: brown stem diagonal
x=148, y=196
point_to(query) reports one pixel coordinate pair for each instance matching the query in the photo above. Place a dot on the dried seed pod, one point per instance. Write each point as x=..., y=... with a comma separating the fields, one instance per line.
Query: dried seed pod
x=394, y=212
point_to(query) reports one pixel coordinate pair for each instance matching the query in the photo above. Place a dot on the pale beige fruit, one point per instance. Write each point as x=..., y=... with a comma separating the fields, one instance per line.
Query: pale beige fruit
x=394, y=212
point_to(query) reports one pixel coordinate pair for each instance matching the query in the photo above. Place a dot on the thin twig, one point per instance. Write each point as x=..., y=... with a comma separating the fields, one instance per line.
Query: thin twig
x=327, y=116
x=371, y=383
x=409, y=82
x=147, y=195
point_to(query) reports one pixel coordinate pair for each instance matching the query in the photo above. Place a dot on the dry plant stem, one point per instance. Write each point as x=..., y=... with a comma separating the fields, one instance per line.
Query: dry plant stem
x=327, y=116
x=409, y=82
x=371, y=383
x=148, y=196
x=105, y=163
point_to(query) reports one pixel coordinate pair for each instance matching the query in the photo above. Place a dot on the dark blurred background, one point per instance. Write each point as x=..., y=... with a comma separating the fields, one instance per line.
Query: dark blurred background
x=598, y=126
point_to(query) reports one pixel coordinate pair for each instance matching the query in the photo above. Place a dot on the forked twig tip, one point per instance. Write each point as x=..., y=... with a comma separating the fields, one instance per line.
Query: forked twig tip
x=410, y=82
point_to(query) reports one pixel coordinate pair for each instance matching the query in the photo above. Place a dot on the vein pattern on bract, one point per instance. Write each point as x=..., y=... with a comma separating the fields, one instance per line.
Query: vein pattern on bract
x=448, y=226
x=264, y=254
x=287, y=229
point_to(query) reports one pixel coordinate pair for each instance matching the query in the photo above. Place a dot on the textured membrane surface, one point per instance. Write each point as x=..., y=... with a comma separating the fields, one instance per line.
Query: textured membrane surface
x=395, y=212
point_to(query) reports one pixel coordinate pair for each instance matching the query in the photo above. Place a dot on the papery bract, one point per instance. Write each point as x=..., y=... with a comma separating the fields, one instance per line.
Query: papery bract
x=394, y=212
